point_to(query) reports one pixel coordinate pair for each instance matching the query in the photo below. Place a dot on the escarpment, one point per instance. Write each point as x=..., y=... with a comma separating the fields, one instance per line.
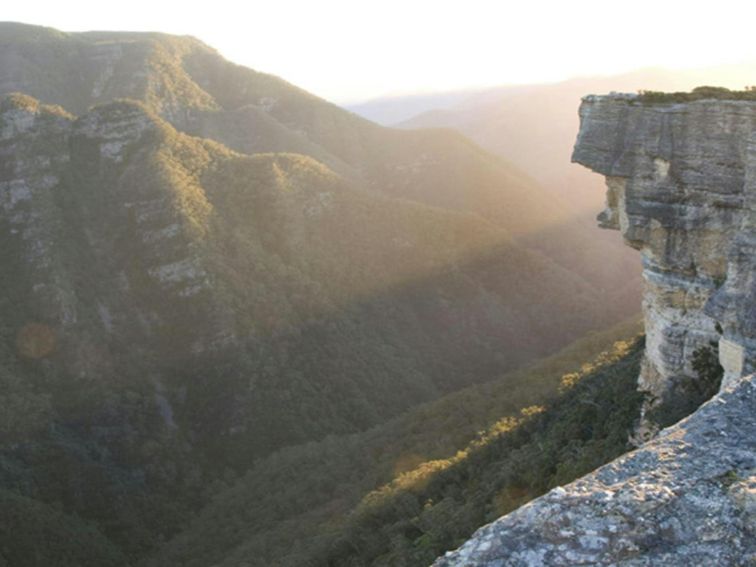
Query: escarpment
x=681, y=182
x=682, y=190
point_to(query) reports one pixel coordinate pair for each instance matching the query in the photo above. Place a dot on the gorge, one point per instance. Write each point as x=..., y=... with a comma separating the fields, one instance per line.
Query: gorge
x=240, y=326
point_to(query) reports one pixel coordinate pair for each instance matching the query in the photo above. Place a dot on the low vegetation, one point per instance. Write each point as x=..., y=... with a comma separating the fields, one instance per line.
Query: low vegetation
x=689, y=394
x=404, y=492
x=699, y=93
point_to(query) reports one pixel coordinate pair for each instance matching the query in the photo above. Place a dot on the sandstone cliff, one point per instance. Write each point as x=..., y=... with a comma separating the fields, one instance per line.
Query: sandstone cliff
x=682, y=190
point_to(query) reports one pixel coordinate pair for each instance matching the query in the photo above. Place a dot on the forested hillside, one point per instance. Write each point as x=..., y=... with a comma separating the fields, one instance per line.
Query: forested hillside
x=191, y=86
x=405, y=492
x=205, y=267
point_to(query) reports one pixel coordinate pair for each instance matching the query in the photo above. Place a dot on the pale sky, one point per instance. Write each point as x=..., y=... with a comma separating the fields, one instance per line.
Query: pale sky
x=348, y=51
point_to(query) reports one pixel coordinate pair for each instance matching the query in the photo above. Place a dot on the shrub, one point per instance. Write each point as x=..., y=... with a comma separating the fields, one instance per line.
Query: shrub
x=686, y=396
x=698, y=93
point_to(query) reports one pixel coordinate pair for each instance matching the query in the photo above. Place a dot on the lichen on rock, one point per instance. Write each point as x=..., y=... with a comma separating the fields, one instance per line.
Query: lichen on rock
x=686, y=498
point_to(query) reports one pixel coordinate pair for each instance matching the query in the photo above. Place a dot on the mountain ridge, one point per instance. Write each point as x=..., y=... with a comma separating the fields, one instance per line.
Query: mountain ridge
x=197, y=86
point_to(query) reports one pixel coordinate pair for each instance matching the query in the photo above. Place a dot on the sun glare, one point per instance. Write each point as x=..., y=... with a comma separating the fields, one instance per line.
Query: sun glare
x=348, y=51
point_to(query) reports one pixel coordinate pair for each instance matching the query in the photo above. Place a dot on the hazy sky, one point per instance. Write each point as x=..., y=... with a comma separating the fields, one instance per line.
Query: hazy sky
x=352, y=50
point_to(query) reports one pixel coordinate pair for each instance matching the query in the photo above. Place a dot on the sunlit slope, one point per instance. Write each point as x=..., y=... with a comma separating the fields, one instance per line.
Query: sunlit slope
x=404, y=492
x=534, y=126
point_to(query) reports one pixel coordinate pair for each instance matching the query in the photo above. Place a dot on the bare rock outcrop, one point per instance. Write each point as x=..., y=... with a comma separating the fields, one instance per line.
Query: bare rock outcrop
x=681, y=189
x=686, y=498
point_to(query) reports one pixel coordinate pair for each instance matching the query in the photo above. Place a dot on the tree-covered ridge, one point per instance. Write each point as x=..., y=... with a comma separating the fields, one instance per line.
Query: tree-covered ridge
x=207, y=270
x=291, y=246
x=190, y=85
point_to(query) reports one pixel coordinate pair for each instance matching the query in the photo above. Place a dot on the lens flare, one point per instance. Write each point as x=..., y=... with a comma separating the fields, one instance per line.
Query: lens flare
x=36, y=340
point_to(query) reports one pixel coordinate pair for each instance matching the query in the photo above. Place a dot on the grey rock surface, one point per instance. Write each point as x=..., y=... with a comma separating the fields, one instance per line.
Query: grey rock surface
x=682, y=190
x=686, y=498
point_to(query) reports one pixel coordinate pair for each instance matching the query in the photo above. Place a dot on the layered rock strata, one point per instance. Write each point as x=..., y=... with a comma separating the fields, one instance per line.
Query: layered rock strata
x=681, y=184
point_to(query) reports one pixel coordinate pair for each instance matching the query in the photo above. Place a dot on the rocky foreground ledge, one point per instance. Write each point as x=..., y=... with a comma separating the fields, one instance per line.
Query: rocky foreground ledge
x=686, y=498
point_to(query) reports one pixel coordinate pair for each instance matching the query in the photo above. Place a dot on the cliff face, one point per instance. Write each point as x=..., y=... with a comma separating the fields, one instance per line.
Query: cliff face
x=681, y=184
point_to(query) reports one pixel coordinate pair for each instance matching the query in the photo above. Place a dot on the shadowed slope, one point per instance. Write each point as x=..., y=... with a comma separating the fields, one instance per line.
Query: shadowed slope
x=403, y=492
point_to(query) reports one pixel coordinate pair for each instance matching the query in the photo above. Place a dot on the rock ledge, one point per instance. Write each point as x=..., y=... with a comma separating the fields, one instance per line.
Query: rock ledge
x=686, y=498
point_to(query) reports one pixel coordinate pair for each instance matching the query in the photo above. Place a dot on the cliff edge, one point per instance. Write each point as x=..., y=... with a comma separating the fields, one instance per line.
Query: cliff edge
x=686, y=498
x=681, y=180
x=681, y=187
